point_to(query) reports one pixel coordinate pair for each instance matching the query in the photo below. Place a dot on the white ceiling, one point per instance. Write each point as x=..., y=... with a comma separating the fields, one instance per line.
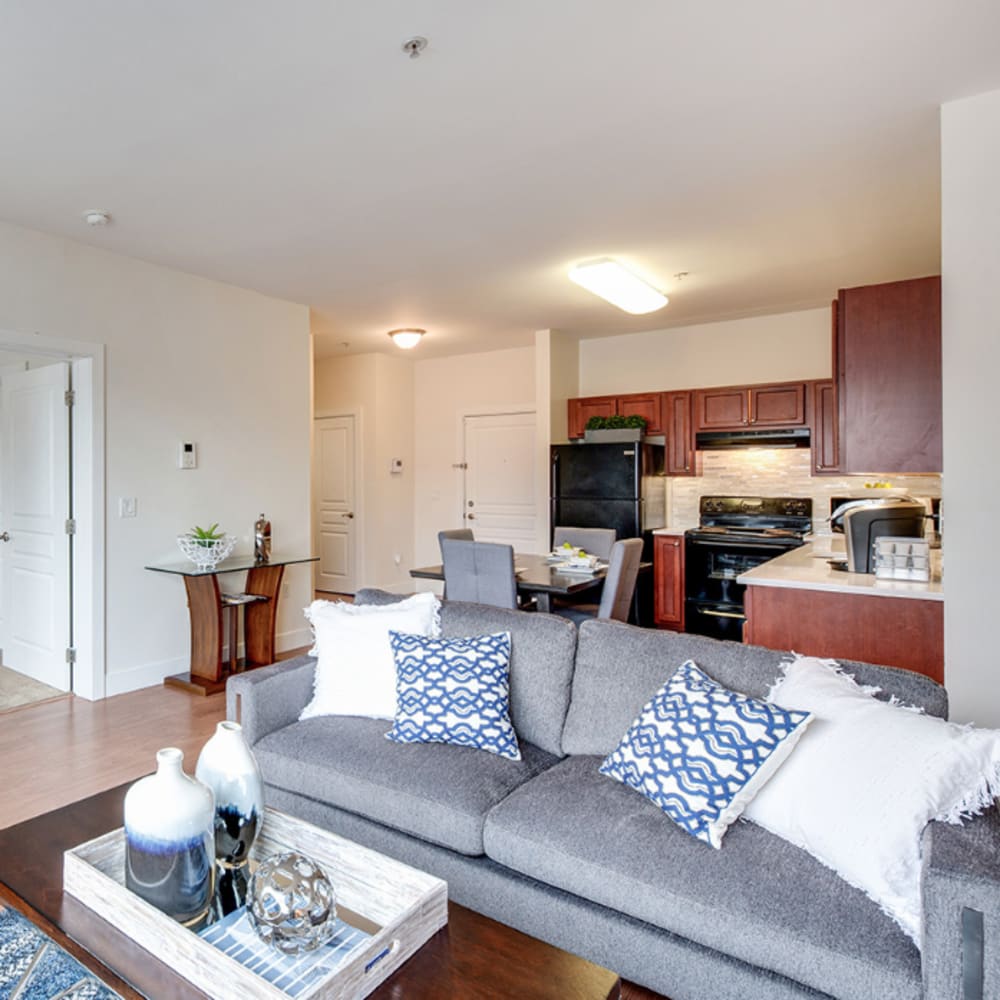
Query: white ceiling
x=776, y=151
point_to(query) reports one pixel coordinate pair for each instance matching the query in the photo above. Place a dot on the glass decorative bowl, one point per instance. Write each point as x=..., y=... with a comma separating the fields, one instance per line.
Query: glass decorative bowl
x=291, y=903
x=205, y=554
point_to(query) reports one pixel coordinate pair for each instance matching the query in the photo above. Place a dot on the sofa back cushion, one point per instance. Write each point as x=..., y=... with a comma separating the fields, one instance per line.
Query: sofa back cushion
x=541, y=662
x=619, y=668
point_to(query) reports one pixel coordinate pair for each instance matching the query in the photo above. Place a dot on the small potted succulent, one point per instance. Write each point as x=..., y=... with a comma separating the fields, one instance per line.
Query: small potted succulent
x=611, y=430
x=206, y=547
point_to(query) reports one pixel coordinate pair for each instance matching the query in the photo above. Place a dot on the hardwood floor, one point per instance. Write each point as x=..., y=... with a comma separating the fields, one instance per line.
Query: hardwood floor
x=60, y=751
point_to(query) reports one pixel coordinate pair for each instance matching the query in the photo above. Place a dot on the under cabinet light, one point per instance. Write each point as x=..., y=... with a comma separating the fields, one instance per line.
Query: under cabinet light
x=608, y=279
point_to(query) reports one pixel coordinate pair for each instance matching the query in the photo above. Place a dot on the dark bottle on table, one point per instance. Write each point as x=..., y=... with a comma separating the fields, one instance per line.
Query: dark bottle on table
x=262, y=539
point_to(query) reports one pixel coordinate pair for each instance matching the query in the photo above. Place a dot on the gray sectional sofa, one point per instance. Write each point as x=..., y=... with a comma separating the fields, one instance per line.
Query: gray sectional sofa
x=553, y=848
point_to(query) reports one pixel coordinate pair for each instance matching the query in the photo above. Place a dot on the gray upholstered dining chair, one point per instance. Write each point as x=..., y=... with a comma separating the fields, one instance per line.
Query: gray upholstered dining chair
x=595, y=541
x=462, y=535
x=619, y=586
x=482, y=572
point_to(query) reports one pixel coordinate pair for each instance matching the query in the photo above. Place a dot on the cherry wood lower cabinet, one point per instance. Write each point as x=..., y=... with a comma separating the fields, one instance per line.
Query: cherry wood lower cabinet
x=898, y=631
x=668, y=581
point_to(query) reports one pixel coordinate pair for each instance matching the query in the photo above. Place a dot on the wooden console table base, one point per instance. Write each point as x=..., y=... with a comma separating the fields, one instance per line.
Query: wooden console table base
x=205, y=604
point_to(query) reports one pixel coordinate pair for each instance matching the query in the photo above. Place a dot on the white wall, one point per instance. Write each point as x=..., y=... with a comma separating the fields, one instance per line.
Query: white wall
x=445, y=389
x=777, y=348
x=392, y=550
x=186, y=359
x=970, y=274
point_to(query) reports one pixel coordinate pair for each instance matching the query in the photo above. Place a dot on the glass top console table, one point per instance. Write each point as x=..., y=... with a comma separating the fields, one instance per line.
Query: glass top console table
x=205, y=604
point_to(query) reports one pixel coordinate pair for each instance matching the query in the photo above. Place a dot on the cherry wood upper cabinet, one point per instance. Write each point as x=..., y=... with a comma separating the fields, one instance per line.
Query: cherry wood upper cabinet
x=668, y=581
x=721, y=409
x=579, y=411
x=782, y=404
x=681, y=458
x=888, y=353
x=825, y=427
x=643, y=404
x=636, y=404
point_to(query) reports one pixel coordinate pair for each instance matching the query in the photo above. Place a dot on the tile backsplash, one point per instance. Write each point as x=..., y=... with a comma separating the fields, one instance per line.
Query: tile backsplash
x=777, y=472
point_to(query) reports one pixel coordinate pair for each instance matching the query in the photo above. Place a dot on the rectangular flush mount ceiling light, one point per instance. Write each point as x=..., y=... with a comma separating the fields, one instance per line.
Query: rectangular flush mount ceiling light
x=608, y=279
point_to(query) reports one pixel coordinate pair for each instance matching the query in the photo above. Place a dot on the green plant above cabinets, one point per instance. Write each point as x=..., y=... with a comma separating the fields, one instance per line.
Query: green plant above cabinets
x=616, y=423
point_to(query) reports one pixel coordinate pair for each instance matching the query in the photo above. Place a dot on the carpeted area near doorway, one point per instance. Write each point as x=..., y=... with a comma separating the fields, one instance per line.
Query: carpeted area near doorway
x=17, y=690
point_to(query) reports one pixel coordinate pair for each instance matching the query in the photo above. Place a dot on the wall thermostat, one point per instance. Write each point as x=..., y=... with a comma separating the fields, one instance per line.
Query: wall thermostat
x=188, y=455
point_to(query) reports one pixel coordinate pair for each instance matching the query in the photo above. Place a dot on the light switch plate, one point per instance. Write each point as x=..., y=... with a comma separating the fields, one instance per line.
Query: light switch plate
x=127, y=506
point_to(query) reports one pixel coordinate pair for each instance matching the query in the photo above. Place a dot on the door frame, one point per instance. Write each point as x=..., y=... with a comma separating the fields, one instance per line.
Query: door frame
x=87, y=609
x=359, y=483
x=494, y=410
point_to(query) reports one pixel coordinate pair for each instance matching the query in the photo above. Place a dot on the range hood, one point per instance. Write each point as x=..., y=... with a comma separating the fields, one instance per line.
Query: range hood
x=758, y=437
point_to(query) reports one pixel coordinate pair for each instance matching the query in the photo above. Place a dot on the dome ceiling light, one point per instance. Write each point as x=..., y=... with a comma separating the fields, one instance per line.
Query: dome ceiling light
x=407, y=338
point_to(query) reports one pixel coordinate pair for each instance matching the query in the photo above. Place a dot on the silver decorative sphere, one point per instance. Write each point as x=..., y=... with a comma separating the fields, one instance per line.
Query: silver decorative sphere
x=291, y=903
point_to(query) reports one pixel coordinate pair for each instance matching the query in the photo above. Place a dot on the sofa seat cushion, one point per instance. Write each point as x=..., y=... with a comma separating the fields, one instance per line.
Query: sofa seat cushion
x=436, y=792
x=759, y=898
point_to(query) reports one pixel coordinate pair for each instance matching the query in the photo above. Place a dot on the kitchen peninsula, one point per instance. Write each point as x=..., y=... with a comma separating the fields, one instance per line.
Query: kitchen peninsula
x=800, y=601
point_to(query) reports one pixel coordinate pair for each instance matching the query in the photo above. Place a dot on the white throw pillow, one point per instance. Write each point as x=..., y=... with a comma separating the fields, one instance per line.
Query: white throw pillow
x=355, y=670
x=866, y=779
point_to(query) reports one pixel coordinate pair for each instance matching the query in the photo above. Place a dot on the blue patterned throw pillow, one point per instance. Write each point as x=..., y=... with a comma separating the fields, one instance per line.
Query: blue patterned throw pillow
x=454, y=691
x=701, y=752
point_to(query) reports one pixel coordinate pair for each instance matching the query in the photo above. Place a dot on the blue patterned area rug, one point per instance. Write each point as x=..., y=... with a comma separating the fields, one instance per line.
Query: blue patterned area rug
x=34, y=967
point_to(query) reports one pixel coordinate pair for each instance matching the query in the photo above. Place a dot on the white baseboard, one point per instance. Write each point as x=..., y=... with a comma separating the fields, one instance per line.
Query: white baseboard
x=152, y=674
x=147, y=675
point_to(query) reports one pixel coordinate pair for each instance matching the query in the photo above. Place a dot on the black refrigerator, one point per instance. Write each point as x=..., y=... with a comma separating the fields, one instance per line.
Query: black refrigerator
x=616, y=486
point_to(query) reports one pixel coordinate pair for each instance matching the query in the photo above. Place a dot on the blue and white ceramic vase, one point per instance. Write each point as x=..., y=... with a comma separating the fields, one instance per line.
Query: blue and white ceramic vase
x=169, y=842
x=227, y=766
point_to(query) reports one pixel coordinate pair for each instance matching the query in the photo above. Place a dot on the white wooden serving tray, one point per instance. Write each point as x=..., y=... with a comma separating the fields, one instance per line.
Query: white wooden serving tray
x=401, y=906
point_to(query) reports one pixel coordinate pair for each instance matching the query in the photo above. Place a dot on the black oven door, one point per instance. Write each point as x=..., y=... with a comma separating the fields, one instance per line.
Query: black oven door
x=713, y=598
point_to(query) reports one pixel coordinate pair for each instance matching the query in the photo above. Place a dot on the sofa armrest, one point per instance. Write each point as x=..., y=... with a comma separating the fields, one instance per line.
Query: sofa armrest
x=270, y=698
x=960, y=885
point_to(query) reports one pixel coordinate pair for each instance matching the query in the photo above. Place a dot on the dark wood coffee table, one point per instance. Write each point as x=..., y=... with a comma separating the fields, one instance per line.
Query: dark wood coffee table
x=473, y=957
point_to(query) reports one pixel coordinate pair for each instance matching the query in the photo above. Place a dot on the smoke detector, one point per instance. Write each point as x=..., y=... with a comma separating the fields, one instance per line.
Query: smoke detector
x=414, y=46
x=96, y=217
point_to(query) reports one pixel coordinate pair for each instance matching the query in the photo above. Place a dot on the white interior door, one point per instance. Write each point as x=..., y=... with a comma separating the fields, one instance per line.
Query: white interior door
x=499, y=503
x=35, y=555
x=336, y=523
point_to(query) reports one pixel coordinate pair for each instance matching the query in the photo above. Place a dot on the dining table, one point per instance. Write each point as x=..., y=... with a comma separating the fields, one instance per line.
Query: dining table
x=541, y=577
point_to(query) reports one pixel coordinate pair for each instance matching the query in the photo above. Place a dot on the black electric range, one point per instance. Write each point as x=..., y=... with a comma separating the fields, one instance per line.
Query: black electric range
x=734, y=535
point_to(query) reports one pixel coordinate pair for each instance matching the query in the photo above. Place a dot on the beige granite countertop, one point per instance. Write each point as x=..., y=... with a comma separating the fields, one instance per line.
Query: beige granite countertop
x=808, y=568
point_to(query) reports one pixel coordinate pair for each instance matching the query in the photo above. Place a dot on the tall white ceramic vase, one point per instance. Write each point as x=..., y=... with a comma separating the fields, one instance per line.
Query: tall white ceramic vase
x=169, y=840
x=228, y=767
